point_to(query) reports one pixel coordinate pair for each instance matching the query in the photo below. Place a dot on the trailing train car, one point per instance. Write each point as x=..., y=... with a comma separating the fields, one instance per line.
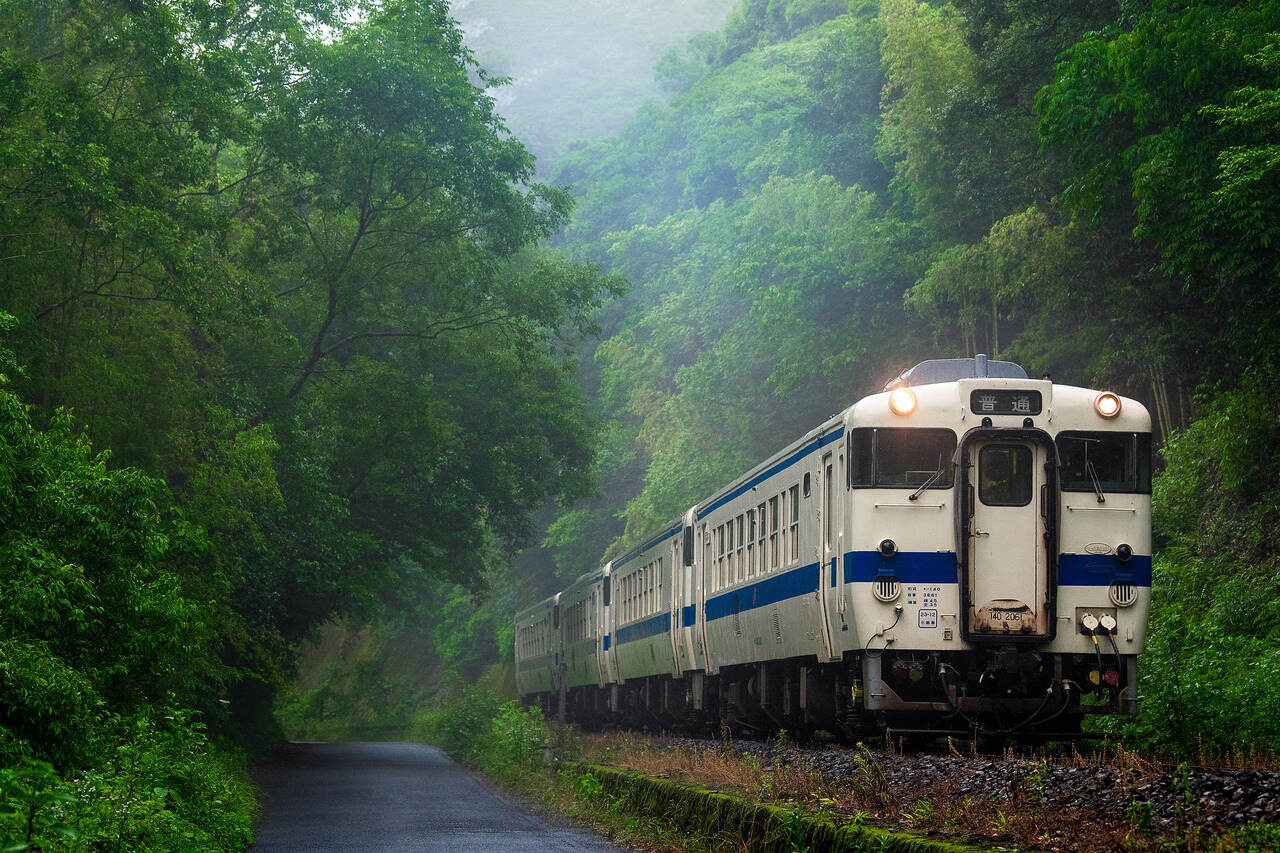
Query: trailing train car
x=537, y=650
x=967, y=550
x=644, y=622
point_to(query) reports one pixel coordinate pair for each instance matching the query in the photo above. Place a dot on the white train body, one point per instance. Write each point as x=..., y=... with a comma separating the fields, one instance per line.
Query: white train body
x=978, y=557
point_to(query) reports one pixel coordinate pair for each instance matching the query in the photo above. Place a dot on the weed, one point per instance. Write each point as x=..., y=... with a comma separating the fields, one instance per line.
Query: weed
x=872, y=781
x=1037, y=779
x=1139, y=815
x=588, y=787
x=794, y=831
x=919, y=814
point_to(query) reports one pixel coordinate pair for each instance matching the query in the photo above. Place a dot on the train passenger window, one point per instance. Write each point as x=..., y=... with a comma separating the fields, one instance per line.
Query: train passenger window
x=759, y=541
x=861, y=448
x=783, y=527
x=773, y=533
x=741, y=546
x=751, y=542
x=719, y=566
x=729, y=559
x=608, y=588
x=1005, y=477
x=1106, y=461
x=794, y=533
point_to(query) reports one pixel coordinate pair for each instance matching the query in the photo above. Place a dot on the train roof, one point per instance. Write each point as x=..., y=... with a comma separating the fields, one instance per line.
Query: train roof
x=535, y=609
x=938, y=370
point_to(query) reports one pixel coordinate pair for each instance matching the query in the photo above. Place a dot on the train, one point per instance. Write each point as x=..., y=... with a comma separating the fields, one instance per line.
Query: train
x=966, y=552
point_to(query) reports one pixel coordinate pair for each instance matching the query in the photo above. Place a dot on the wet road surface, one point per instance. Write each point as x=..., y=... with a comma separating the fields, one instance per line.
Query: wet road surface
x=395, y=798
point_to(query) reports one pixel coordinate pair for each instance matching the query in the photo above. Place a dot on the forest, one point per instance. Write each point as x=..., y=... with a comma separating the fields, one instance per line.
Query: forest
x=302, y=348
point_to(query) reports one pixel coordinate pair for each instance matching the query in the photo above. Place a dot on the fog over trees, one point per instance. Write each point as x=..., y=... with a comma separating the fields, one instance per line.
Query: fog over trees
x=578, y=68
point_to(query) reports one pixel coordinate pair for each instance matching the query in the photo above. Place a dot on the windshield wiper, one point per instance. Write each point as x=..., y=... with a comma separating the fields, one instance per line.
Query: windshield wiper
x=1093, y=475
x=927, y=483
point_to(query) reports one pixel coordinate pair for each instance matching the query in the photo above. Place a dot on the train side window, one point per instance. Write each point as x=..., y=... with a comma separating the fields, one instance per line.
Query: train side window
x=760, y=540
x=794, y=535
x=720, y=557
x=782, y=528
x=707, y=552
x=730, y=561
x=741, y=568
x=608, y=588
x=773, y=532
x=861, y=450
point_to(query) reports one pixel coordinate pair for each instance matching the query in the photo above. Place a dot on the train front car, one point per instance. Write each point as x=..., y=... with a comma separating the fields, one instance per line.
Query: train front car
x=999, y=562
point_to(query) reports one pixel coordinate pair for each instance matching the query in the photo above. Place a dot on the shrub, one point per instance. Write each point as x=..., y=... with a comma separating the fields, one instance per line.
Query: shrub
x=504, y=740
x=460, y=724
x=515, y=741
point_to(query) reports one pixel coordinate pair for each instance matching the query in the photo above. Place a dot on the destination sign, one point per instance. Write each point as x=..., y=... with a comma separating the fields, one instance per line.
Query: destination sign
x=1004, y=401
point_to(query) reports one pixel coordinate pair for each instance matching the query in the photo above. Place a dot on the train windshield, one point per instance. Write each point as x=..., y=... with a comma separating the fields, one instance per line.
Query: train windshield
x=901, y=458
x=1105, y=461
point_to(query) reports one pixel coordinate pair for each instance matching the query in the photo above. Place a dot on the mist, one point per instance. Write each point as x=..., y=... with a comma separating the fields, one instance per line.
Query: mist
x=578, y=68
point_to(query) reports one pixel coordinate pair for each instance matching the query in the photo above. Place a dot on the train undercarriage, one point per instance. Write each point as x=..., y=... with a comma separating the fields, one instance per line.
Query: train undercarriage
x=1000, y=692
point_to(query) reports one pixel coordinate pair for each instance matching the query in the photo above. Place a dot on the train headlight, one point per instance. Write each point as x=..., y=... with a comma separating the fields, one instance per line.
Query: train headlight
x=1108, y=405
x=902, y=401
x=1124, y=552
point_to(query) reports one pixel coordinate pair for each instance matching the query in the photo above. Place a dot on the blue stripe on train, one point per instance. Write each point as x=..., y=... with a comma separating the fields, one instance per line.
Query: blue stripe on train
x=762, y=593
x=865, y=567
x=1102, y=569
x=649, y=627
x=906, y=566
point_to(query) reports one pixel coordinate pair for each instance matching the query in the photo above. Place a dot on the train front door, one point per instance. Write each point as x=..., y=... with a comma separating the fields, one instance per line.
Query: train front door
x=1008, y=557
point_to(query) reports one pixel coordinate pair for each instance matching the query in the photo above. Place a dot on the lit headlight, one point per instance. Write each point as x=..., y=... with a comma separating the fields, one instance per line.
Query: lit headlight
x=1108, y=405
x=902, y=401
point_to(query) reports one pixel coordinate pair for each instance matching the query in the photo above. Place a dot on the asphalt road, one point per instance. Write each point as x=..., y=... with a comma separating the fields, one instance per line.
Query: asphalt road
x=395, y=798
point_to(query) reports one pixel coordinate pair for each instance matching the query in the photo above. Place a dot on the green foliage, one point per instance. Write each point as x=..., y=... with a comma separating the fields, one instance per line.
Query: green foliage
x=1209, y=678
x=505, y=740
x=461, y=724
x=102, y=657
x=587, y=785
x=161, y=787
x=1166, y=116
x=276, y=256
x=28, y=794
